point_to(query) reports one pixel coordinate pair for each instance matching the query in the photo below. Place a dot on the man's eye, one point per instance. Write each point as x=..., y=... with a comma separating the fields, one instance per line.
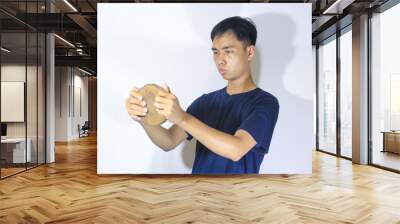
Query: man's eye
x=228, y=52
x=214, y=52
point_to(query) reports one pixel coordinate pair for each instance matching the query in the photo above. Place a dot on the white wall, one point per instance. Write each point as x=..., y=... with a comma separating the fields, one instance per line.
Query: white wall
x=17, y=73
x=67, y=85
x=61, y=103
x=156, y=43
x=80, y=89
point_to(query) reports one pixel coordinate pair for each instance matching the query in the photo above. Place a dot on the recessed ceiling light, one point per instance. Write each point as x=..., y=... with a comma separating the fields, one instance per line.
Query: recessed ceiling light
x=5, y=50
x=64, y=40
x=337, y=7
x=86, y=72
x=70, y=5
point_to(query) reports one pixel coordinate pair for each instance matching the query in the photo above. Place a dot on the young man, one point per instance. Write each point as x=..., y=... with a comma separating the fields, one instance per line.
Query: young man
x=233, y=126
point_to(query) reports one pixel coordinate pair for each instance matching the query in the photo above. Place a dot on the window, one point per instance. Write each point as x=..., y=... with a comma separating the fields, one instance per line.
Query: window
x=327, y=96
x=346, y=75
x=385, y=88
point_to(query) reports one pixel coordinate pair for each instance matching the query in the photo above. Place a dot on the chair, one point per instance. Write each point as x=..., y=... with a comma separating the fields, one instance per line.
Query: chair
x=84, y=130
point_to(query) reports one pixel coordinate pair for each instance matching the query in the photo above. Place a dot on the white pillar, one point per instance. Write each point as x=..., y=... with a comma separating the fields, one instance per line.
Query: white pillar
x=360, y=90
x=50, y=91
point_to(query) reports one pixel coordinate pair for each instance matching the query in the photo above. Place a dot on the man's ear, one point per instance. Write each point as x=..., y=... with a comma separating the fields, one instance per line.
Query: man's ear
x=251, y=52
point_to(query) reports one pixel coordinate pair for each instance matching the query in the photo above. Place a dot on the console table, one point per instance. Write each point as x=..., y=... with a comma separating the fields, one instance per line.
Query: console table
x=13, y=150
x=391, y=141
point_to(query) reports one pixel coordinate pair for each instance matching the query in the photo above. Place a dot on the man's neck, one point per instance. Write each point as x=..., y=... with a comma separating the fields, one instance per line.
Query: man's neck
x=240, y=86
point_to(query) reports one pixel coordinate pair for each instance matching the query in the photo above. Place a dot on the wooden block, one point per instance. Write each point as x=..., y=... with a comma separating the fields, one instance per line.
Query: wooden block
x=149, y=92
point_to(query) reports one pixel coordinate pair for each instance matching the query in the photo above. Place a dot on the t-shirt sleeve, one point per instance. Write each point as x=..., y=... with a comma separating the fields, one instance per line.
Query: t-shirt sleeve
x=261, y=122
x=196, y=110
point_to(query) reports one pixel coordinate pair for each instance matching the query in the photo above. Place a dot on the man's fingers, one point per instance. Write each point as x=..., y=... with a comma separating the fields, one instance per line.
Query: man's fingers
x=135, y=117
x=131, y=112
x=135, y=105
x=138, y=110
x=166, y=95
x=127, y=103
x=135, y=94
x=133, y=100
x=163, y=100
x=158, y=105
x=135, y=109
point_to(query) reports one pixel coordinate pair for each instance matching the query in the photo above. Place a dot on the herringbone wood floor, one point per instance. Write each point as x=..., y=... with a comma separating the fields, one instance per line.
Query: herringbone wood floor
x=70, y=191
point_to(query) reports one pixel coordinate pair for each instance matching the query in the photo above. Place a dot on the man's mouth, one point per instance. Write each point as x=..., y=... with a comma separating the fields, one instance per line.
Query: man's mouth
x=222, y=71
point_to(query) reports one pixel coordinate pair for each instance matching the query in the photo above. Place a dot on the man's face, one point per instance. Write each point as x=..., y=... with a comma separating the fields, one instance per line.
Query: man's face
x=231, y=56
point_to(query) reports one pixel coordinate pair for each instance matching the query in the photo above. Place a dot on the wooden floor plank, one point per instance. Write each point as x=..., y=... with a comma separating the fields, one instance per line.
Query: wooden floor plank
x=70, y=191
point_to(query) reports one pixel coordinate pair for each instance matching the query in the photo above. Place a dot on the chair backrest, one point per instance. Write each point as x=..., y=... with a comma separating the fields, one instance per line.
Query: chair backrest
x=86, y=124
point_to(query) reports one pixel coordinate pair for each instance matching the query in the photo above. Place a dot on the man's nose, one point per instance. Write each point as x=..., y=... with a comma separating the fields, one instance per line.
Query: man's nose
x=221, y=59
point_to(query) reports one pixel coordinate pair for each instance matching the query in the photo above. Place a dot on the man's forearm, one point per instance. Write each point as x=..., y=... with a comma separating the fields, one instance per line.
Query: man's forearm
x=223, y=144
x=160, y=136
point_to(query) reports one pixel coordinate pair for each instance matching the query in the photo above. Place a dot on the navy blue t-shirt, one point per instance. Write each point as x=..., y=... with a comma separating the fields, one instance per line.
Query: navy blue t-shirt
x=255, y=111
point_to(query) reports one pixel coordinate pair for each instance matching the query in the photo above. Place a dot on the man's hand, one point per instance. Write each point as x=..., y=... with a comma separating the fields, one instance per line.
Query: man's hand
x=167, y=104
x=135, y=105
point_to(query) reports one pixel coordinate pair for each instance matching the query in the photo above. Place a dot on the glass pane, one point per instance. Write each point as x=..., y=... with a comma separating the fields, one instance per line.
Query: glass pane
x=327, y=96
x=31, y=101
x=31, y=82
x=22, y=88
x=386, y=89
x=13, y=86
x=346, y=94
x=41, y=98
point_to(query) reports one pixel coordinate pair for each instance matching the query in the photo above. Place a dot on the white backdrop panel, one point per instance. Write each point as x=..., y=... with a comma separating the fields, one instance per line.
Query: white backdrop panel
x=157, y=43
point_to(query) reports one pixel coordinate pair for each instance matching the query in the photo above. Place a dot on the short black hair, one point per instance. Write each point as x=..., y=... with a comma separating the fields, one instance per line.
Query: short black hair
x=243, y=28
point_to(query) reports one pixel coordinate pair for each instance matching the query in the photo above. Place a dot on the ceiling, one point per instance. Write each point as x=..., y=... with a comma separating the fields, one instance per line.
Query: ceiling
x=76, y=22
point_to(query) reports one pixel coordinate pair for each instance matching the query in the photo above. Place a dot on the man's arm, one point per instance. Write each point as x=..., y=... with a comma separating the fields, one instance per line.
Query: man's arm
x=166, y=139
x=233, y=147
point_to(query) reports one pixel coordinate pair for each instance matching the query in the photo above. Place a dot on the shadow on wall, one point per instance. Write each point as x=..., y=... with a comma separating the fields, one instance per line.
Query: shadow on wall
x=188, y=153
x=275, y=50
x=292, y=89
